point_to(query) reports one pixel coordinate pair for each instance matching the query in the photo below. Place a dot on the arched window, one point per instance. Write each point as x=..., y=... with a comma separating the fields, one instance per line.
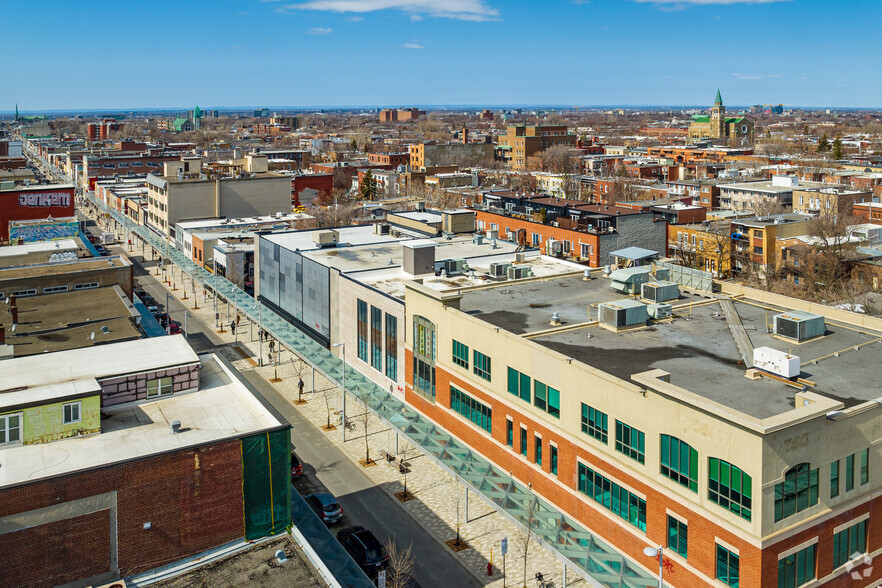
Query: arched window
x=797, y=492
x=679, y=462
x=730, y=487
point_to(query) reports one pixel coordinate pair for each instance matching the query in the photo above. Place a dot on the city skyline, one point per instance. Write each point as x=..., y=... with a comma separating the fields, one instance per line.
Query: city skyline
x=354, y=53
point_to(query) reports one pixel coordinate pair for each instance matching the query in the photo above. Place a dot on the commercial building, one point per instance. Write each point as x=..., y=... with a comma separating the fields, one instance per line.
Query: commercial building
x=704, y=434
x=754, y=240
x=522, y=141
x=306, y=187
x=428, y=155
x=44, y=268
x=392, y=160
x=19, y=203
x=400, y=114
x=120, y=459
x=186, y=192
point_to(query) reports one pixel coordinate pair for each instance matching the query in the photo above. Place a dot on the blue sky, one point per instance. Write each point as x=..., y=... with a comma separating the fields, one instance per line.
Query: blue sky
x=223, y=53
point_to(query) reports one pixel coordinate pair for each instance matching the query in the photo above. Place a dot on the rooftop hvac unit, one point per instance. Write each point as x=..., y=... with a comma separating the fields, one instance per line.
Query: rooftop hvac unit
x=325, y=238
x=799, y=325
x=623, y=313
x=776, y=362
x=453, y=267
x=499, y=269
x=629, y=280
x=520, y=257
x=553, y=247
x=381, y=229
x=659, y=291
x=660, y=310
x=662, y=273
x=519, y=272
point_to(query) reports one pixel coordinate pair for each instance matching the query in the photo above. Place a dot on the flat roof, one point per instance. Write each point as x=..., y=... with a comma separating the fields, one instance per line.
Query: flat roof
x=126, y=357
x=347, y=236
x=697, y=348
x=222, y=408
x=61, y=267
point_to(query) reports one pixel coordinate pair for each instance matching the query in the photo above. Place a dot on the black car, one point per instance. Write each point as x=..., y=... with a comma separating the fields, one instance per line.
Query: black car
x=296, y=467
x=365, y=549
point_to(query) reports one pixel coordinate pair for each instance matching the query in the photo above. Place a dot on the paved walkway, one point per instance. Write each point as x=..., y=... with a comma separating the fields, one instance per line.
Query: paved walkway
x=439, y=501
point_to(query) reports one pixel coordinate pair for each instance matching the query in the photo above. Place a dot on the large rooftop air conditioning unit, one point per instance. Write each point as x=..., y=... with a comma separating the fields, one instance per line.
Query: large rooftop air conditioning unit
x=662, y=273
x=499, y=269
x=519, y=272
x=659, y=291
x=777, y=362
x=623, y=313
x=454, y=267
x=799, y=325
x=629, y=280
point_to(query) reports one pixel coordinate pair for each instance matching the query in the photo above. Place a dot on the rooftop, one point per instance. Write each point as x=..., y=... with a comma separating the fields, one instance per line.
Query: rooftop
x=697, y=348
x=44, y=267
x=223, y=408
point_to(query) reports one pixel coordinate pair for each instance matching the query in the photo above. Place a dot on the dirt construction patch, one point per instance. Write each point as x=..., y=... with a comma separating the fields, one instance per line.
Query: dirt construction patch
x=255, y=567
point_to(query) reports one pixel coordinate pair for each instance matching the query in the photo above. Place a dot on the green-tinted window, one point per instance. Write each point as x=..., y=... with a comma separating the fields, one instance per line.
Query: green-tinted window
x=553, y=451
x=678, y=536
x=849, y=473
x=509, y=433
x=362, y=329
x=594, y=423
x=834, y=479
x=540, y=394
x=612, y=497
x=727, y=566
x=630, y=441
x=519, y=384
x=460, y=354
x=477, y=412
x=537, y=450
x=524, y=441
x=797, y=569
x=729, y=487
x=553, y=402
x=865, y=466
x=482, y=365
x=679, y=462
x=798, y=491
x=849, y=542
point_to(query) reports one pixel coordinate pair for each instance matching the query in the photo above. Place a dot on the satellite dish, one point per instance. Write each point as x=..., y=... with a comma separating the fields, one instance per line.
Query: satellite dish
x=105, y=330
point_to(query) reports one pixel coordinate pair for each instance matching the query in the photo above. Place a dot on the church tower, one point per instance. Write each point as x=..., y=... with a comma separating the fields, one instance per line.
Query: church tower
x=197, y=118
x=718, y=118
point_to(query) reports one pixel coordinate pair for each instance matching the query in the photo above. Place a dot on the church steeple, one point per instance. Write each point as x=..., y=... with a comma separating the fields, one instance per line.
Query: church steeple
x=16, y=111
x=718, y=101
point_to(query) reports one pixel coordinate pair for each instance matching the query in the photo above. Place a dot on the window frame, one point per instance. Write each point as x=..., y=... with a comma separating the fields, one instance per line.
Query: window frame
x=678, y=542
x=834, y=479
x=471, y=409
x=161, y=386
x=624, y=447
x=726, y=577
x=537, y=450
x=807, y=495
x=798, y=568
x=672, y=450
x=458, y=359
x=590, y=425
x=6, y=428
x=854, y=535
x=722, y=492
x=482, y=365
x=70, y=406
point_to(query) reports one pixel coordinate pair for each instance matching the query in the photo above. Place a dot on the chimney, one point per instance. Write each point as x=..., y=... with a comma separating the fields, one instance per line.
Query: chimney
x=465, y=136
x=2, y=335
x=14, y=311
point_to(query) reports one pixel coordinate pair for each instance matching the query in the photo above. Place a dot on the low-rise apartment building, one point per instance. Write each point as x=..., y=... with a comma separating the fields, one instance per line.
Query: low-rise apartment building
x=521, y=142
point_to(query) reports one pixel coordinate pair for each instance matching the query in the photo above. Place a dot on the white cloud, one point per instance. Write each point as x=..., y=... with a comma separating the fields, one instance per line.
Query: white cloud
x=742, y=76
x=413, y=46
x=355, y=19
x=473, y=10
x=320, y=31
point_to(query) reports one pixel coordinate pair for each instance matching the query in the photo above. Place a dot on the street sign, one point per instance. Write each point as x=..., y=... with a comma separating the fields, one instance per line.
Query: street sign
x=381, y=579
x=504, y=545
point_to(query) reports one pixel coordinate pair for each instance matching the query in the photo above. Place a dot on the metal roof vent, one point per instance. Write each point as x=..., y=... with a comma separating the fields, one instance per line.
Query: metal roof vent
x=175, y=427
x=555, y=319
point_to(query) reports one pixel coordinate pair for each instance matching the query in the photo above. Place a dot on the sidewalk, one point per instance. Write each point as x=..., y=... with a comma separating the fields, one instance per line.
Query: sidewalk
x=434, y=505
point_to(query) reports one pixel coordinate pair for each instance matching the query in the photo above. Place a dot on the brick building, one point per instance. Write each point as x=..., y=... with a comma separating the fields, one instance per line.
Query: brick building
x=400, y=114
x=393, y=160
x=524, y=141
x=34, y=202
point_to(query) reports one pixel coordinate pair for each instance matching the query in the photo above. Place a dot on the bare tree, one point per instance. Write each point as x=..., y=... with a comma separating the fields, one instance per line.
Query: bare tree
x=367, y=419
x=326, y=394
x=456, y=499
x=522, y=540
x=401, y=565
x=406, y=452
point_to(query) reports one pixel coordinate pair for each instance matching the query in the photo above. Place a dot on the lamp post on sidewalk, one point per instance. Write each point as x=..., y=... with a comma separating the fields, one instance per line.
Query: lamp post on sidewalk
x=659, y=553
x=343, y=383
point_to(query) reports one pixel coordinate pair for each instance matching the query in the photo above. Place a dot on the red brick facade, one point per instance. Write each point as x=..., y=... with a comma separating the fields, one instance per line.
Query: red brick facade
x=545, y=232
x=191, y=498
x=34, y=204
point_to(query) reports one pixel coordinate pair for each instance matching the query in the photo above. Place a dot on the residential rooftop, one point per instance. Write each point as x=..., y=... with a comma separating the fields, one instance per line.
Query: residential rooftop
x=697, y=347
x=222, y=408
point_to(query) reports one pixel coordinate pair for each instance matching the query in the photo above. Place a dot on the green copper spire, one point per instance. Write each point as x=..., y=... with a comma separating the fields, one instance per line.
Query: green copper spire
x=196, y=112
x=719, y=99
x=16, y=111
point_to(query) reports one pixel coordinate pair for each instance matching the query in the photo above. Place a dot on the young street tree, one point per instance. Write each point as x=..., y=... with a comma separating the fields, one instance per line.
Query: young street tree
x=401, y=565
x=366, y=418
x=523, y=538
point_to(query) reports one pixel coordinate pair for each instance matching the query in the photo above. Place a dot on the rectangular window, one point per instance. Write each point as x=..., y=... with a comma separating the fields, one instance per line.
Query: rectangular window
x=362, y=327
x=849, y=542
x=834, y=479
x=52, y=289
x=509, y=432
x=552, y=450
x=729, y=487
x=849, y=473
x=475, y=411
x=678, y=536
x=539, y=395
x=31, y=292
x=87, y=286
x=797, y=569
x=865, y=466
x=797, y=492
x=391, y=346
x=376, y=338
x=524, y=441
x=537, y=450
x=727, y=566
x=159, y=387
x=679, y=462
x=519, y=384
x=482, y=365
x=630, y=441
x=10, y=428
x=460, y=354
x=424, y=378
x=594, y=423
x=612, y=497
x=71, y=412
x=546, y=398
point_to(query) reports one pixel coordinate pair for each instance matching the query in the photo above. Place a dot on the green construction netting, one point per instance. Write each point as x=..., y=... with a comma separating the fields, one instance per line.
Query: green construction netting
x=266, y=483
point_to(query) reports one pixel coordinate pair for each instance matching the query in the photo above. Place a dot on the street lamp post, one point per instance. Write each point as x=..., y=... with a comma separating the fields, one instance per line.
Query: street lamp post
x=657, y=552
x=259, y=336
x=186, y=330
x=343, y=383
x=167, y=314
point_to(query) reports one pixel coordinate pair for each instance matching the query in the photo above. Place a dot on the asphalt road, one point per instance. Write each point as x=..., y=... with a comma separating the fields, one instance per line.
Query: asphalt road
x=325, y=466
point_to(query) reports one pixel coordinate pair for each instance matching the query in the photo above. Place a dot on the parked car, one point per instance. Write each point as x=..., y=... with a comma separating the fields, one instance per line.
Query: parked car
x=296, y=467
x=174, y=329
x=152, y=308
x=325, y=506
x=365, y=549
